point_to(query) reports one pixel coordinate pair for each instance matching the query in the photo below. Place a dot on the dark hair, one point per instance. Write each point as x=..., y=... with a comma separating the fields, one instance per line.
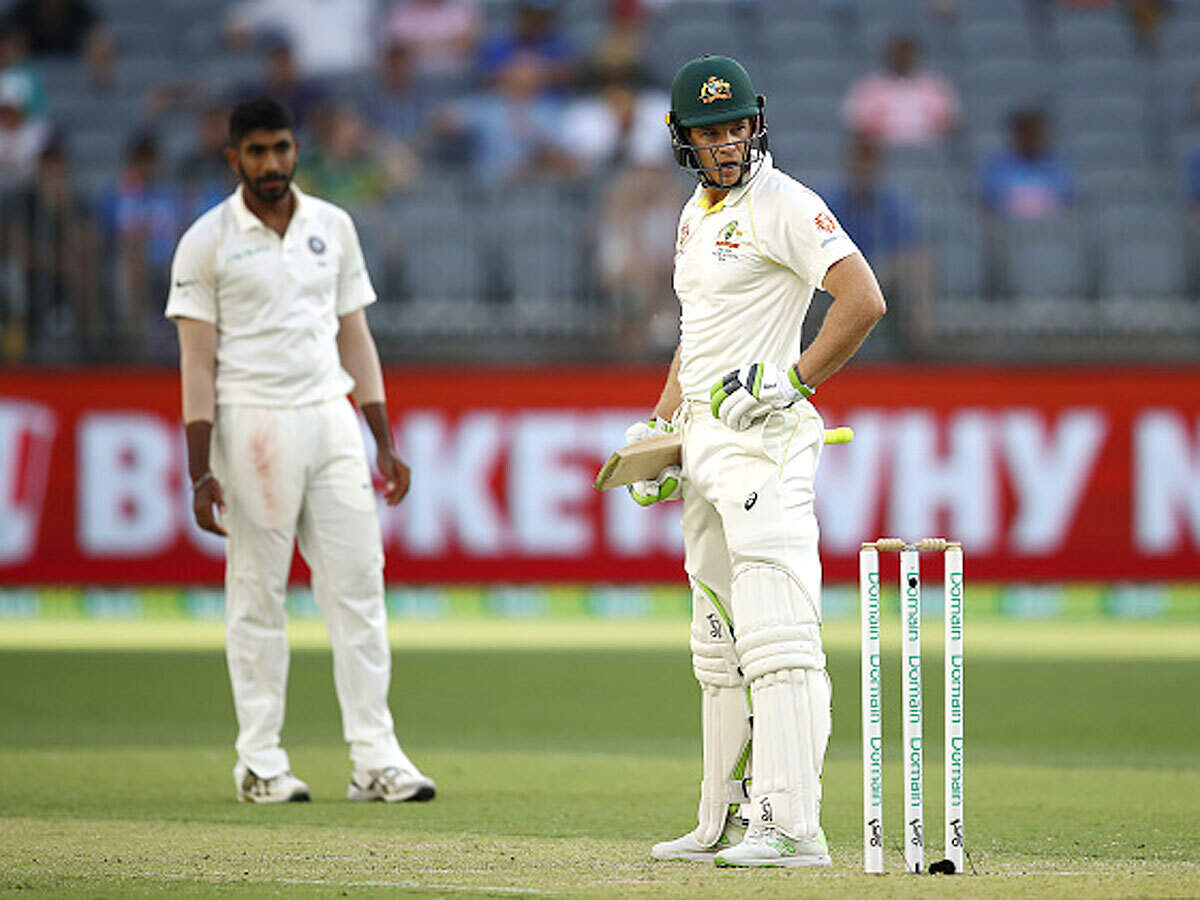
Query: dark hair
x=251, y=115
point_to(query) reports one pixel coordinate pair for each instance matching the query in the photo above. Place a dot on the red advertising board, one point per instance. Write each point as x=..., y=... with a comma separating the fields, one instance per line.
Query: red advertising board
x=1043, y=473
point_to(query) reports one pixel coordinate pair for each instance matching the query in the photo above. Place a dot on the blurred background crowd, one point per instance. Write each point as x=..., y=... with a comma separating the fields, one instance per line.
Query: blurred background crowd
x=1023, y=174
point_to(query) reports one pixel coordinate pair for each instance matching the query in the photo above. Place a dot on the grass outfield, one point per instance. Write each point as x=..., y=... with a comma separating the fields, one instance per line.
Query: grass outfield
x=562, y=750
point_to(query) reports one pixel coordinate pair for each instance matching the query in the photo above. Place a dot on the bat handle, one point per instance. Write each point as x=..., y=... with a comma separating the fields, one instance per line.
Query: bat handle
x=842, y=435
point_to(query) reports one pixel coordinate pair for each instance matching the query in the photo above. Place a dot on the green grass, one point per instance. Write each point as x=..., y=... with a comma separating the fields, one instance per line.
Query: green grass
x=557, y=768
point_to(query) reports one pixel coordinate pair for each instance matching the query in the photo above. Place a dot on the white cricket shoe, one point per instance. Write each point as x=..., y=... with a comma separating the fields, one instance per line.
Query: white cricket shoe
x=391, y=784
x=282, y=788
x=687, y=847
x=768, y=846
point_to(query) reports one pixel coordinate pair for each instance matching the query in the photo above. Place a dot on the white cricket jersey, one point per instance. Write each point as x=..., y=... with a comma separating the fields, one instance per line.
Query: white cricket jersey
x=745, y=271
x=275, y=300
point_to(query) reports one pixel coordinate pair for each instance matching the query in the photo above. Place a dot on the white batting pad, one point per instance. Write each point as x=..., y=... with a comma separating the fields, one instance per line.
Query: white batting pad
x=791, y=730
x=724, y=713
x=778, y=626
x=779, y=648
x=714, y=660
x=725, y=729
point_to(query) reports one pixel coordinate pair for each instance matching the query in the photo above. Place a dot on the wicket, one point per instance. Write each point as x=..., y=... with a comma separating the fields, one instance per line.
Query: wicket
x=912, y=713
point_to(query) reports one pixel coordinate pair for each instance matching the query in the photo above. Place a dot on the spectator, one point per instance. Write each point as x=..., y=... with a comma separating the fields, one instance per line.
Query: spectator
x=340, y=165
x=65, y=28
x=881, y=220
x=513, y=130
x=14, y=61
x=624, y=43
x=21, y=138
x=284, y=82
x=141, y=217
x=203, y=171
x=1030, y=180
x=393, y=104
x=443, y=35
x=902, y=105
x=535, y=35
x=617, y=126
x=1146, y=18
x=635, y=253
x=329, y=37
x=52, y=246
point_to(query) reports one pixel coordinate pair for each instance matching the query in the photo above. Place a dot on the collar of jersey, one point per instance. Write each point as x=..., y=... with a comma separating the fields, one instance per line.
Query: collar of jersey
x=247, y=220
x=736, y=193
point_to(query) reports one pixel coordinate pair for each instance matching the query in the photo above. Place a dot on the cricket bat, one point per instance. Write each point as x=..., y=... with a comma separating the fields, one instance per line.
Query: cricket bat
x=643, y=460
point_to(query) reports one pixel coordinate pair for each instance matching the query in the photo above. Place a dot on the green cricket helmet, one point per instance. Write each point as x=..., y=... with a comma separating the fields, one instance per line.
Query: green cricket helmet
x=709, y=90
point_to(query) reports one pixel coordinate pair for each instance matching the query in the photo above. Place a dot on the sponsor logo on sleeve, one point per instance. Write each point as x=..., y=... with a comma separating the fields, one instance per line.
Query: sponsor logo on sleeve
x=826, y=222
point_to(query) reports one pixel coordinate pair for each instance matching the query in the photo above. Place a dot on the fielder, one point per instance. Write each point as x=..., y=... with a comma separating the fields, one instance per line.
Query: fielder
x=268, y=291
x=752, y=246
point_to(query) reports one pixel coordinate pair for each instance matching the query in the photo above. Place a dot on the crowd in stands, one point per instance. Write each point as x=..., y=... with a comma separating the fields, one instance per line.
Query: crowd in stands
x=507, y=162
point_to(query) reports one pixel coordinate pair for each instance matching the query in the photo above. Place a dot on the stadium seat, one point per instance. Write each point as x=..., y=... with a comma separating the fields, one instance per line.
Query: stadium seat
x=1106, y=148
x=1142, y=251
x=959, y=266
x=1091, y=77
x=1006, y=38
x=537, y=235
x=437, y=251
x=1099, y=33
x=1100, y=110
x=1044, y=258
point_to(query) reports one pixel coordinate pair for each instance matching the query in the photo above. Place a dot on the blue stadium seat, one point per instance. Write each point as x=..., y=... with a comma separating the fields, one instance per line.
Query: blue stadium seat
x=1006, y=38
x=1142, y=251
x=959, y=266
x=1100, y=110
x=1095, y=33
x=1093, y=76
x=437, y=250
x=1046, y=258
x=537, y=234
x=1106, y=148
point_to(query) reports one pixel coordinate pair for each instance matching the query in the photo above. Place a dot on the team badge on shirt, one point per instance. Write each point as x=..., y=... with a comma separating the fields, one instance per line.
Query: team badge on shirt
x=684, y=230
x=727, y=242
x=316, y=245
x=826, y=222
x=715, y=89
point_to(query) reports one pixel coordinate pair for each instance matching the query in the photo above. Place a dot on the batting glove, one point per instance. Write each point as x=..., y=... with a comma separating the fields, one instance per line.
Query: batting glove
x=666, y=485
x=747, y=394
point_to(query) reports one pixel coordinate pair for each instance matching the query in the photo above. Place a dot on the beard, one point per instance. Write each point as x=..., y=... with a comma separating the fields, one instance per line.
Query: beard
x=269, y=188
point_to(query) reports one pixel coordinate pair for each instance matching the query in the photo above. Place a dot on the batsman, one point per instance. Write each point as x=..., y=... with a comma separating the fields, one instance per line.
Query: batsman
x=752, y=246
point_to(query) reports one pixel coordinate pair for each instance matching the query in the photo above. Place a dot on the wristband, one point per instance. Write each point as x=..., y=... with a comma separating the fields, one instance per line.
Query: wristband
x=202, y=481
x=798, y=383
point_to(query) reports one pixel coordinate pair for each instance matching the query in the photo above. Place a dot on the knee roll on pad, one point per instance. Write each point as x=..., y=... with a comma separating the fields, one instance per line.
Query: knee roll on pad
x=778, y=624
x=714, y=660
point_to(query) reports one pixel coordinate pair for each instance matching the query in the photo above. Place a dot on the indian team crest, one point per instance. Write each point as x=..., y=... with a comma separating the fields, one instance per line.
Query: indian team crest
x=316, y=245
x=715, y=88
x=727, y=242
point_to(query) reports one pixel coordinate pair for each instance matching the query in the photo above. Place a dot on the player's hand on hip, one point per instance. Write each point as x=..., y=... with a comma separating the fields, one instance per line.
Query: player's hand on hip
x=667, y=485
x=742, y=397
x=206, y=493
x=395, y=473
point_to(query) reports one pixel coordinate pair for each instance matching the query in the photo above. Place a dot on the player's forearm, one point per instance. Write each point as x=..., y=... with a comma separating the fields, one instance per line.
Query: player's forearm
x=858, y=305
x=359, y=357
x=197, y=370
x=672, y=393
x=377, y=420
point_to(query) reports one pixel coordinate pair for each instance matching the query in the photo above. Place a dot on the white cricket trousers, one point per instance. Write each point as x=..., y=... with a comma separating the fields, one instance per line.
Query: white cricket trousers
x=299, y=475
x=748, y=495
